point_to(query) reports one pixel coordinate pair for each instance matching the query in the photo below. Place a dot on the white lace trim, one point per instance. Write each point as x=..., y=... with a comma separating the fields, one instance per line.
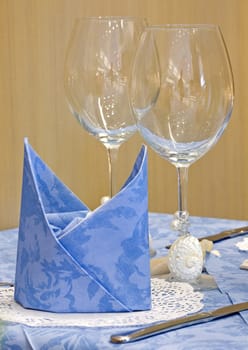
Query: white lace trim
x=170, y=300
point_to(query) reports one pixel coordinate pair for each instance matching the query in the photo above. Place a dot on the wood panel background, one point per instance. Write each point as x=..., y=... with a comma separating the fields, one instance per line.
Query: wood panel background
x=33, y=38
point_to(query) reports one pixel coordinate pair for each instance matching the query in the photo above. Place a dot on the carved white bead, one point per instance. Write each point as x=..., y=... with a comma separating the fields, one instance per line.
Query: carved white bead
x=185, y=259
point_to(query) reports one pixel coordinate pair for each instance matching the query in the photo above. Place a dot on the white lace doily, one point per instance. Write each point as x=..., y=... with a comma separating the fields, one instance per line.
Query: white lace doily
x=170, y=300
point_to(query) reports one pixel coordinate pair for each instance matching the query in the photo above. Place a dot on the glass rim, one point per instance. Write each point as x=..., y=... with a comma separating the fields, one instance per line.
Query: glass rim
x=108, y=18
x=183, y=26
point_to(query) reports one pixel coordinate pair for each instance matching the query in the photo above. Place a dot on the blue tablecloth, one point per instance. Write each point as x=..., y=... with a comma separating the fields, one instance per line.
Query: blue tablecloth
x=226, y=333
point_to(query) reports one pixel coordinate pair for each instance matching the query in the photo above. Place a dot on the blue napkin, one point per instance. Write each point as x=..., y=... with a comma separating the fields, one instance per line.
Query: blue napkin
x=71, y=259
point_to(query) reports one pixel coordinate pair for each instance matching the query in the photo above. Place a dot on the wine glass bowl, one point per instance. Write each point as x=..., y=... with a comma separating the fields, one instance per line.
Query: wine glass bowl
x=97, y=72
x=182, y=94
x=194, y=94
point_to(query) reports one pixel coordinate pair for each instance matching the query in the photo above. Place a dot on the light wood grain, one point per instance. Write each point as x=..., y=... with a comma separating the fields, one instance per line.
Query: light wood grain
x=33, y=38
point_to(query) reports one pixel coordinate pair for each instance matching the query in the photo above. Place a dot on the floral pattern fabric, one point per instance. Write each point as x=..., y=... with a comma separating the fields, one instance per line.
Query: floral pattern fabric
x=226, y=333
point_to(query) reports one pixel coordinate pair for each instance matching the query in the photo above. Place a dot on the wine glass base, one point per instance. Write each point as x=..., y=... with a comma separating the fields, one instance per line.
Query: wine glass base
x=180, y=221
x=152, y=252
x=203, y=283
x=151, y=249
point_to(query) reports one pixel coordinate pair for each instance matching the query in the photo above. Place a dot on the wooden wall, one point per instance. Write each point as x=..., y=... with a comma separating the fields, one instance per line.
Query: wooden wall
x=33, y=37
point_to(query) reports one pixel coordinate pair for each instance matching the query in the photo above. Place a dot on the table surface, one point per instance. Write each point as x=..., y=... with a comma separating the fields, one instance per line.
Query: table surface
x=226, y=333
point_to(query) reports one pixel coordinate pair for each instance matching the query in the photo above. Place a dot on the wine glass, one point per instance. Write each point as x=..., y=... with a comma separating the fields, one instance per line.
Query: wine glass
x=182, y=94
x=97, y=72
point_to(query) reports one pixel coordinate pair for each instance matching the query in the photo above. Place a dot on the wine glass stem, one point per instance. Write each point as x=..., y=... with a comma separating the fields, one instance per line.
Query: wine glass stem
x=112, y=161
x=182, y=214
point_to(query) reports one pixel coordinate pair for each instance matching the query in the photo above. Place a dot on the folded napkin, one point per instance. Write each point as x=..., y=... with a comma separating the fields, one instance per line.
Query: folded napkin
x=71, y=259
